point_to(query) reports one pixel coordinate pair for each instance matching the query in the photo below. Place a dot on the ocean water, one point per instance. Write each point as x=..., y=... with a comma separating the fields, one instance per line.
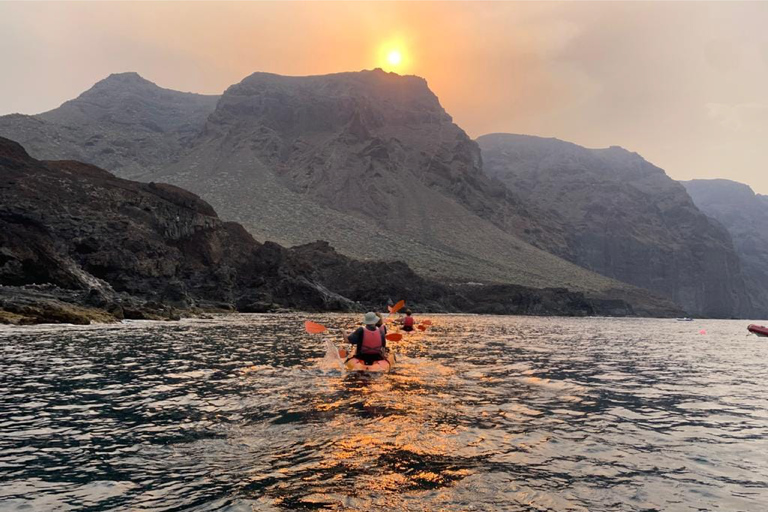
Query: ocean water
x=245, y=412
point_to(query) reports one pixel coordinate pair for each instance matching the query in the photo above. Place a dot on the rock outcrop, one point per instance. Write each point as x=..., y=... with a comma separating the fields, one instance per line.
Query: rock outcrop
x=745, y=215
x=79, y=244
x=626, y=219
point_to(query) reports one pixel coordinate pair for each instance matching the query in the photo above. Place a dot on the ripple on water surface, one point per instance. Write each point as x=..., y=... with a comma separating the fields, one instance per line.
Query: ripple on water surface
x=481, y=413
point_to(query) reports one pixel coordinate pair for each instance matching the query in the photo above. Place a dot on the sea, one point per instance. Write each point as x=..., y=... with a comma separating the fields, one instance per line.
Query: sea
x=496, y=413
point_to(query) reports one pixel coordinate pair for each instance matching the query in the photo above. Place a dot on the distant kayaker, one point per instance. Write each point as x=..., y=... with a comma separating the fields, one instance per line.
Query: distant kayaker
x=408, y=321
x=370, y=341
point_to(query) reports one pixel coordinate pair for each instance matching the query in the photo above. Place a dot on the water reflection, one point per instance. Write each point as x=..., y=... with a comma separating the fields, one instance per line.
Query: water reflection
x=481, y=413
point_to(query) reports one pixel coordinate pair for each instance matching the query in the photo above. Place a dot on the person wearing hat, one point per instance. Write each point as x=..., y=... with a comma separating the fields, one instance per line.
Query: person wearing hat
x=370, y=341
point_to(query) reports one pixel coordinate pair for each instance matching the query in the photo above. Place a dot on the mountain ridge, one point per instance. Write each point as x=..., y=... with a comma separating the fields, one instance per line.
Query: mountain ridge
x=300, y=158
x=626, y=219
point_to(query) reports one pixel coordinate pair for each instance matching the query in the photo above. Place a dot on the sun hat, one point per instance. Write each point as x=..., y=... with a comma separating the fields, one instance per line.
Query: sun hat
x=371, y=318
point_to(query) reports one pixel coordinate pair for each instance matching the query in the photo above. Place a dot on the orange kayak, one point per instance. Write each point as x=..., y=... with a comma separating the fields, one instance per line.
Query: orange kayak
x=382, y=365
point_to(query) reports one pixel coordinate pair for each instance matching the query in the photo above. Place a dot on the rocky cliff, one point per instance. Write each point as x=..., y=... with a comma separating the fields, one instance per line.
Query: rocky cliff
x=77, y=243
x=745, y=215
x=626, y=219
x=369, y=161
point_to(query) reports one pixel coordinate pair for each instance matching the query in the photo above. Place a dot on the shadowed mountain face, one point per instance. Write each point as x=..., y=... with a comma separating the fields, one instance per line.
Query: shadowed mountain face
x=369, y=161
x=745, y=215
x=74, y=236
x=626, y=219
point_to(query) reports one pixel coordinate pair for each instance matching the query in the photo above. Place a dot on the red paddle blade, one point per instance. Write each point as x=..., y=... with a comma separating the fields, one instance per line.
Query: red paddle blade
x=313, y=328
x=422, y=328
x=397, y=307
x=427, y=322
x=395, y=336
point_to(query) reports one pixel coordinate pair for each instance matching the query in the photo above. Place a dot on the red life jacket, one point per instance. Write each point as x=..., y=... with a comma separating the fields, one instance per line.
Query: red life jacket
x=408, y=321
x=373, y=341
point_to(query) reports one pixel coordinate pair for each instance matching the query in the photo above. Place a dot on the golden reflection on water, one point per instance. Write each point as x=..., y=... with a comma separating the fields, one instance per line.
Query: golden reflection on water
x=493, y=413
x=393, y=428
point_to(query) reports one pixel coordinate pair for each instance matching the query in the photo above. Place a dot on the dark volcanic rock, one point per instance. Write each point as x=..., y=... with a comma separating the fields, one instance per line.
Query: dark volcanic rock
x=745, y=215
x=76, y=227
x=626, y=219
x=78, y=244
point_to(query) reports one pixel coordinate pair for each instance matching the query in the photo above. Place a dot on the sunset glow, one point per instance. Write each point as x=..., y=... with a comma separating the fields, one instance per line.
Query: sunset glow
x=392, y=56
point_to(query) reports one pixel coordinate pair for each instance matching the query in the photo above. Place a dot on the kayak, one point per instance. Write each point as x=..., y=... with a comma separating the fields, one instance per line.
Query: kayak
x=759, y=330
x=382, y=365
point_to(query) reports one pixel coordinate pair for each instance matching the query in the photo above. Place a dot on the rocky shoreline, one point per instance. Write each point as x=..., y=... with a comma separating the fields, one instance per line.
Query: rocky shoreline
x=45, y=304
x=79, y=245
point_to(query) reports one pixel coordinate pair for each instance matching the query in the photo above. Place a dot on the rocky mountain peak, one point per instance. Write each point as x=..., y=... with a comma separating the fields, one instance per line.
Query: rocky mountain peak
x=126, y=79
x=289, y=105
x=128, y=98
x=719, y=191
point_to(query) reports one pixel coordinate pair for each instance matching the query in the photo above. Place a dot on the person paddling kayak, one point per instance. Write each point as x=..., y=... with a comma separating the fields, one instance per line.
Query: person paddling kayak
x=408, y=321
x=370, y=341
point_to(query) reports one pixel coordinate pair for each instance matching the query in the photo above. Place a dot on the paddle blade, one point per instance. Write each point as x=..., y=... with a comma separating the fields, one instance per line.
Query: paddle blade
x=422, y=327
x=313, y=328
x=397, y=307
x=427, y=322
x=395, y=336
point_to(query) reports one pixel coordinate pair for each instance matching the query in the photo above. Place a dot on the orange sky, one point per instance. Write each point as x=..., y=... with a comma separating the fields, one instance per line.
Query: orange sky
x=684, y=84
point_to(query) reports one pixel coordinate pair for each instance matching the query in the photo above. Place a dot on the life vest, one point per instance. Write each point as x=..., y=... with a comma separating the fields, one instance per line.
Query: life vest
x=408, y=321
x=373, y=341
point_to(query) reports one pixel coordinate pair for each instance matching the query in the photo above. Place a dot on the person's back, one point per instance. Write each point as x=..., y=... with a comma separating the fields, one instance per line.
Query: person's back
x=370, y=340
x=408, y=321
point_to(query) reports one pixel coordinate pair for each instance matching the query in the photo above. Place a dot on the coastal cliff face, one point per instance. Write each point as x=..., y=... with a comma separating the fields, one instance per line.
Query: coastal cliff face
x=369, y=161
x=79, y=244
x=626, y=219
x=745, y=215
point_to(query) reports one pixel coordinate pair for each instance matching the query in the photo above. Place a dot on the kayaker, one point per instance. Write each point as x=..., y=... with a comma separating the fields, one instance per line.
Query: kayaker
x=370, y=341
x=408, y=321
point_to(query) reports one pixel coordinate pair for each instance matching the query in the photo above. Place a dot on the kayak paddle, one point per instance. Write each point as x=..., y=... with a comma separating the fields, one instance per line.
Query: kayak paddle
x=314, y=328
x=397, y=307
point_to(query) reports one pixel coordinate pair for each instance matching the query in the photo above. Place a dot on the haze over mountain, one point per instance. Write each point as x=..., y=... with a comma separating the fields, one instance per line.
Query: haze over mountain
x=123, y=123
x=625, y=218
x=745, y=215
x=372, y=163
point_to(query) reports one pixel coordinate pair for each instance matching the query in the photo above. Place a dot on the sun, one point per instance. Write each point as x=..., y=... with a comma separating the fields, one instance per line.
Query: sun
x=394, y=57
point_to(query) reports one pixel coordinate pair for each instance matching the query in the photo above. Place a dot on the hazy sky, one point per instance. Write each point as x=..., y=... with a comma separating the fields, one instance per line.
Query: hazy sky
x=683, y=84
